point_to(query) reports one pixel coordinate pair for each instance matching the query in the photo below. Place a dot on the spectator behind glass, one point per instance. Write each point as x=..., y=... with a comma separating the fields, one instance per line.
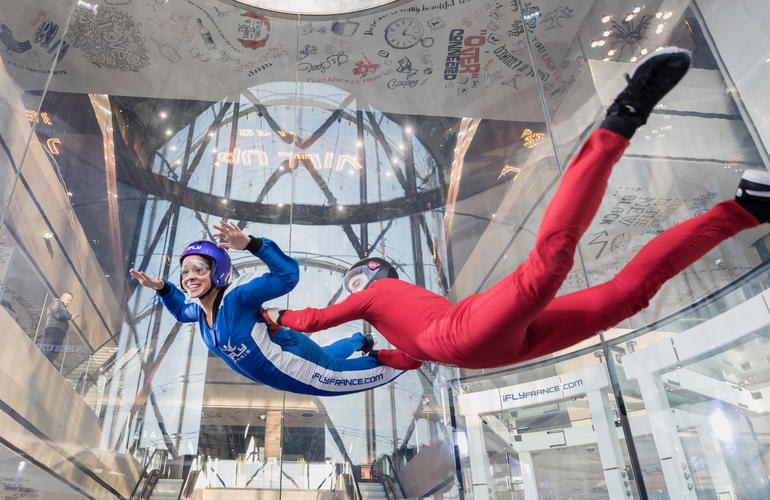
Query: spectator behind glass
x=56, y=326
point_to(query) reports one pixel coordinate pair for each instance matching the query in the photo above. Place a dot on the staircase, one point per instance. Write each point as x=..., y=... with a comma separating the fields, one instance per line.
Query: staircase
x=372, y=491
x=167, y=489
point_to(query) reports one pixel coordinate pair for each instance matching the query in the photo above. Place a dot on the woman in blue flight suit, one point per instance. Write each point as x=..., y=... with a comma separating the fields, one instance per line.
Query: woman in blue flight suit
x=229, y=315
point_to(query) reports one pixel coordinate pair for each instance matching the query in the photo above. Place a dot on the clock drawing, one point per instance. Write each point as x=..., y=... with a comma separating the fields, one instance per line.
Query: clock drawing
x=403, y=33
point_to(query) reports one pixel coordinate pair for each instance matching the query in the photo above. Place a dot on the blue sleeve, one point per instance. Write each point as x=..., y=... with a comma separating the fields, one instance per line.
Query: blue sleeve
x=173, y=300
x=281, y=278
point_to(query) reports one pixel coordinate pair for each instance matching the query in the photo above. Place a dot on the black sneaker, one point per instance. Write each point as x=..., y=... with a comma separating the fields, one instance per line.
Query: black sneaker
x=368, y=343
x=648, y=82
x=754, y=194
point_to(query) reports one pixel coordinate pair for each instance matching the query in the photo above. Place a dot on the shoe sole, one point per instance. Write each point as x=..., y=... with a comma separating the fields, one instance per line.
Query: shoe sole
x=665, y=50
x=757, y=177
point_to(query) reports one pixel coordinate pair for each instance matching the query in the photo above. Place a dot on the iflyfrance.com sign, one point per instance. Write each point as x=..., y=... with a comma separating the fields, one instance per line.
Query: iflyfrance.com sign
x=541, y=391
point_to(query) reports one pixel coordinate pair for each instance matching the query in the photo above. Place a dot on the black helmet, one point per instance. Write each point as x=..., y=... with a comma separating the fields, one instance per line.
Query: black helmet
x=374, y=268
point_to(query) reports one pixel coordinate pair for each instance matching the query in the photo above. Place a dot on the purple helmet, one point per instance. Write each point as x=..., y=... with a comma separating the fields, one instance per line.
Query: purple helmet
x=220, y=275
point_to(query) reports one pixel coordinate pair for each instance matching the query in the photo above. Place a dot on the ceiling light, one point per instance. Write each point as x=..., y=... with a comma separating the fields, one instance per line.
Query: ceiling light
x=172, y=148
x=211, y=134
x=606, y=33
x=224, y=201
x=606, y=19
x=636, y=10
x=659, y=30
x=658, y=15
x=611, y=52
x=606, y=59
x=593, y=44
x=668, y=15
x=644, y=51
x=401, y=147
x=601, y=43
x=359, y=143
x=48, y=236
x=629, y=17
x=408, y=129
x=634, y=59
x=169, y=131
x=339, y=207
x=163, y=115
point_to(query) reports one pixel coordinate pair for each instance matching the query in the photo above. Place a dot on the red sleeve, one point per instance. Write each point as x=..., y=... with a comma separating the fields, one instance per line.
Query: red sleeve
x=397, y=359
x=313, y=320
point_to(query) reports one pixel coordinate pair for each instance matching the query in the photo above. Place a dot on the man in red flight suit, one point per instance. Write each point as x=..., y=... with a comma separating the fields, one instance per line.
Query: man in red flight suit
x=520, y=317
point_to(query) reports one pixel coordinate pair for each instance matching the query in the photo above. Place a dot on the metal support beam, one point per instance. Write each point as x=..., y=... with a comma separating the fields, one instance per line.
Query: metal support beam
x=613, y=463
x=478, y=457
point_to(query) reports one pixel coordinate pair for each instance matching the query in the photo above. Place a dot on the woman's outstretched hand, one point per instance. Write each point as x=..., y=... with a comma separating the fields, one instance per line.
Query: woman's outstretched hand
x=232, y=234
x=145, y=280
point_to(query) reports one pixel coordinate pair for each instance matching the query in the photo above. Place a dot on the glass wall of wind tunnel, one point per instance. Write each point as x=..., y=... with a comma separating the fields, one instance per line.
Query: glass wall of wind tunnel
x=692, y=381
x=47, y=420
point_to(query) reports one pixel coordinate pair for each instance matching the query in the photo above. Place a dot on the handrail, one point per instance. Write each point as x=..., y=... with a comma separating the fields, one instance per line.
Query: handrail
x=142, y=475
x=189, y=485
x=395, y=472
x=152, y=480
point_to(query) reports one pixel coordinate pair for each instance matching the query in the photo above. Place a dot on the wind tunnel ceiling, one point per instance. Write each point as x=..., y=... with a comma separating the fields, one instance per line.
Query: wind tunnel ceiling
x=404, y=59
x=401, y=61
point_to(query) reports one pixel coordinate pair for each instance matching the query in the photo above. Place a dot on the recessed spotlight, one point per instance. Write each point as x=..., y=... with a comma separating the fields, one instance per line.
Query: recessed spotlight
x=163, y=115
x=668, y=15
x=172, y=148
x=601, y=43
x=169, y=131
x=629, y=18
x=634, y=59
x=606, y=33
x=611, y=52
x=606, y=19
x=659, y=29
x=359, y=143
x=408, y=129
x=211, y=134
x=658, y=15
x=48, y=236
x=606, y=59
x=339, y=207
x=644, y=51
x=224, y=201
x=636, y=10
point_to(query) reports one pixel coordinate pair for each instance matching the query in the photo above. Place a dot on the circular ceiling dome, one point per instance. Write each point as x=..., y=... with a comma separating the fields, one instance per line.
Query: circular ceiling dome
x=315, y=7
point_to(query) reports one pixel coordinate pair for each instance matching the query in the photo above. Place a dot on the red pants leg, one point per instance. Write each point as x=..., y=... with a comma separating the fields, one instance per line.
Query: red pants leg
x=493, y=323
x=576, y=316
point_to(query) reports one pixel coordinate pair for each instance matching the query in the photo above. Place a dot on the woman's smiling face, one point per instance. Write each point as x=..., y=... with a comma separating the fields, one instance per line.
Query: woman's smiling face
x=196, y=275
